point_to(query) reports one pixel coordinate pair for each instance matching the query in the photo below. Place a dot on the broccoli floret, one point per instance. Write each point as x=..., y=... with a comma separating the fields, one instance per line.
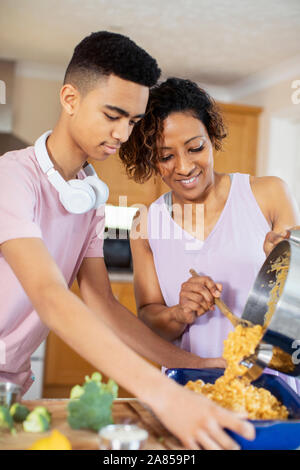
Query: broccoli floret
x=90, y=405
x=92, y=410
x=95, y=377
x=76, y=392
x=42, y=410
x=19, y=412
x=111, y=387
x=36, y=422
x=6, y=421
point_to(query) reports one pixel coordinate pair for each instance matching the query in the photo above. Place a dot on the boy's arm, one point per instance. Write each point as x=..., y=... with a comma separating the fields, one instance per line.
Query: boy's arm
x=192, y=418
x=97, y=294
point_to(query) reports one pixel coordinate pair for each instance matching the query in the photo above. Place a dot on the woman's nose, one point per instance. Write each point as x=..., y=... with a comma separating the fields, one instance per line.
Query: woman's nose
x=184, y=166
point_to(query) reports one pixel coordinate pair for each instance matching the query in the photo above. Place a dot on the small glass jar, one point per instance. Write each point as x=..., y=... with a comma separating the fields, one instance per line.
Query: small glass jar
x=122, y=437
x=10, y=393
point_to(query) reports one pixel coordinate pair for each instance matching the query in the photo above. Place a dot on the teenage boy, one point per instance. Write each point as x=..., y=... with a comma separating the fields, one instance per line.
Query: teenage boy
x=50, y=232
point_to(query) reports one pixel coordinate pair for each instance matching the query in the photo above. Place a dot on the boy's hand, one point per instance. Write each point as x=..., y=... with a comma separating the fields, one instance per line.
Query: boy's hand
x=200, y=423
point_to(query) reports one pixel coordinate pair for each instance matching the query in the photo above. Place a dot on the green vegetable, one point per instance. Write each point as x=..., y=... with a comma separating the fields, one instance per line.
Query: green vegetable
x=42, y=410
x=90, y=405
x=38, y=420
x=6, y=421
x=35, y=422
x=76, y=391
x=111, y=387
x=95, y=377
x=19, y=412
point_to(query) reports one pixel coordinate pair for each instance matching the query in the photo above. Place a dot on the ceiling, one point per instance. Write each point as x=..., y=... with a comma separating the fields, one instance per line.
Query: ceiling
x=220, y=42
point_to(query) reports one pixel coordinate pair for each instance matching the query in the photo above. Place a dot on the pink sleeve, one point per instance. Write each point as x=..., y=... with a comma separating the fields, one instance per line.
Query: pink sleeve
x=95, y=247
x=17, y=202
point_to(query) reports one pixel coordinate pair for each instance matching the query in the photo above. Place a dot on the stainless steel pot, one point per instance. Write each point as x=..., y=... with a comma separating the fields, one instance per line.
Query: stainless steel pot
x=280, y=345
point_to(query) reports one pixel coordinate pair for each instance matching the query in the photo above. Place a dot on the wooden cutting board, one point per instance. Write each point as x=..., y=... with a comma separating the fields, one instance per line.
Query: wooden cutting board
x=129, y=411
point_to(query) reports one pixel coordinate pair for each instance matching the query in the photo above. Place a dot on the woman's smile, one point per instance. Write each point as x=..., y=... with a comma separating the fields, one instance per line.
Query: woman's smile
x=190, y=183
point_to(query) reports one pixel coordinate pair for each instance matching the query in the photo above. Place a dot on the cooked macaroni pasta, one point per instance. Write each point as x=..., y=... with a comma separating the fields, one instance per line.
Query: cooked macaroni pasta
x=234, y=392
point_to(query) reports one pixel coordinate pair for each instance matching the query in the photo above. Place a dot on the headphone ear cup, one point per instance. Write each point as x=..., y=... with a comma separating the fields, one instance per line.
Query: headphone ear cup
x=78, y=198
x=100, y=189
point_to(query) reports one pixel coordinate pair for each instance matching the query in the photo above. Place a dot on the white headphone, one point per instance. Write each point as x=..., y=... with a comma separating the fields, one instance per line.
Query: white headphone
x=77, y=196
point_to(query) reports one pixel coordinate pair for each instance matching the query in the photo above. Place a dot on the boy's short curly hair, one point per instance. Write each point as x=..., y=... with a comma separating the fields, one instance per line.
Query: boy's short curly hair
x=139, y=154
x=104, y=53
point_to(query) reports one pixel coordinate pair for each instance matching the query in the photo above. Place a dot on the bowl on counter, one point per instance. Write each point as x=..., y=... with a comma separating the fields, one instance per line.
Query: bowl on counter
x=9, y=393
x=270, y=434
x=122, y=437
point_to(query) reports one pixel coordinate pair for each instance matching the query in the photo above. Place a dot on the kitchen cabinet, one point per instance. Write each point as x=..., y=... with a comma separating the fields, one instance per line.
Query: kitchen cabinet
x=239, y=150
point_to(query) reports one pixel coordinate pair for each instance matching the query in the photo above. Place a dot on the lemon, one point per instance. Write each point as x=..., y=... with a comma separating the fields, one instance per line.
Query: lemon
x=56, y=441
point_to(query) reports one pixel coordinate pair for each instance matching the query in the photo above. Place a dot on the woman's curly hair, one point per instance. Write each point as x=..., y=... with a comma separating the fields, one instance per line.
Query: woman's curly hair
x=140, y=153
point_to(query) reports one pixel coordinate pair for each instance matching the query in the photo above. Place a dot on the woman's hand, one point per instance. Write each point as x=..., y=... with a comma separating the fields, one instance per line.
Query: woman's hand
x=197, y=296
x=273, y=238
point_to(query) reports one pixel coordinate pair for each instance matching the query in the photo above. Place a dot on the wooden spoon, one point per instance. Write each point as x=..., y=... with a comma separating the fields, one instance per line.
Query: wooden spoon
x=226, y=310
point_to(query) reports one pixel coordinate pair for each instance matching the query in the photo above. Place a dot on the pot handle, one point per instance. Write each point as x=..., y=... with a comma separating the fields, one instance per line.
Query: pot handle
x=295, y=236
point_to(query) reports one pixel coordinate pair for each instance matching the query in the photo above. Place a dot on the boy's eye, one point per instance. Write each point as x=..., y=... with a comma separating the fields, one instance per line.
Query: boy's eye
x=115, y=118
x=112, y=118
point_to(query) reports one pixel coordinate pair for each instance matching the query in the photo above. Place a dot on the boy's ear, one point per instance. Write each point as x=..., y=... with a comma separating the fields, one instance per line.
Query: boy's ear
x=69, y=98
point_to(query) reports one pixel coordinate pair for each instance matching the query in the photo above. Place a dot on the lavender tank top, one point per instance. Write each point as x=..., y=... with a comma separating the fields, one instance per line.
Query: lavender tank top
x=232, y=255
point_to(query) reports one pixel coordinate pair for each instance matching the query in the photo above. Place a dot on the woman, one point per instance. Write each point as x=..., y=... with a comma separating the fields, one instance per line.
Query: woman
x=176, y=140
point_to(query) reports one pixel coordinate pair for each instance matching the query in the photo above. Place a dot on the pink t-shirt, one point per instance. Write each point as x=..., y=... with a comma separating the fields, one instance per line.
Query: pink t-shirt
x=30, y=207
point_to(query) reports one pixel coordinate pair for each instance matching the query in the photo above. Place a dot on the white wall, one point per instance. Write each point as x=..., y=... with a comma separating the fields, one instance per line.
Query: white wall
x=36, y=106
x=279, y=132
x=6, y=94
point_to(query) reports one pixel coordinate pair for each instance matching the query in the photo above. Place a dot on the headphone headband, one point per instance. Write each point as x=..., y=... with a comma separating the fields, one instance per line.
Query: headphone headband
x=78, y=195
x=42, y=154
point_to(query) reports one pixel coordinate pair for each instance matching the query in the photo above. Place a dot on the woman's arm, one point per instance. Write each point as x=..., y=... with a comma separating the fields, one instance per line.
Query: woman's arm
x=151, y=307
x=278, y=206
x=196, y=295
x=168, y=322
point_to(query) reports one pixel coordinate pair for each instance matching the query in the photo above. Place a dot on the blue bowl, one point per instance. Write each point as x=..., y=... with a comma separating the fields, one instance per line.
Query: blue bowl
x=270, y=434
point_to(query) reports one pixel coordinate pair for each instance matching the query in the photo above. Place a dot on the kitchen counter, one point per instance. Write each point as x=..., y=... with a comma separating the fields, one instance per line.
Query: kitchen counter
x=129, y=411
